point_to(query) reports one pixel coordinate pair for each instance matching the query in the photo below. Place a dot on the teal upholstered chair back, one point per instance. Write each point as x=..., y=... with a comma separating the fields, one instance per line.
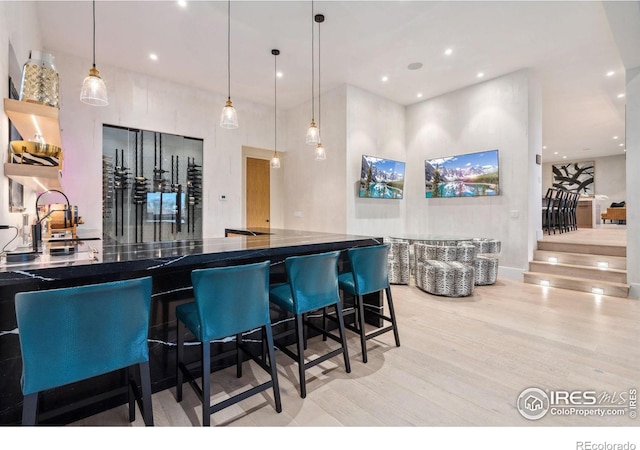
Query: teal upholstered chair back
x=313, y=280
x=230, y=300
x=71, y=334
x=369, y=268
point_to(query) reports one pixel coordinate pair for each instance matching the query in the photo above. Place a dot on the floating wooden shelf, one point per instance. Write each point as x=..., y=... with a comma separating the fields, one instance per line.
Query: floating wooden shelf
x=38, y=178
x=31, y=118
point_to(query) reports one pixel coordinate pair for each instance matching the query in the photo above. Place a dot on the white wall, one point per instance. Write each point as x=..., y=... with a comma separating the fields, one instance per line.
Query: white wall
x=141, y=101
x=18, y=27
x=314, y=190
x=490, y=115
x=534, y=170
x=633, y=181
x=375, y=127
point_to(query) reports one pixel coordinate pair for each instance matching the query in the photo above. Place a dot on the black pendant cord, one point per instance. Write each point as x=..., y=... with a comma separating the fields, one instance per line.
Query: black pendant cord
x=229, y=49
x=319, y=84
x=275, y=102
x=313, y=67
x=94, y=33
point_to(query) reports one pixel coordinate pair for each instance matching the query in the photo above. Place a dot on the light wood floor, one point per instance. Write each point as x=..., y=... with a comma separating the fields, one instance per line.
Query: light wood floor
x=462, y=362
x=610, y=234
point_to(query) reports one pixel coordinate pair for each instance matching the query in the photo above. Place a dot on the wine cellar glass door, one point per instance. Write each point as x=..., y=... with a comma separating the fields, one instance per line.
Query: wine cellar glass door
x=152, y=186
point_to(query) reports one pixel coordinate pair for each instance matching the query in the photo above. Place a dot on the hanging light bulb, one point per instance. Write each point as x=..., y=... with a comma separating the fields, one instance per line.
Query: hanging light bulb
x=229, y=116
x=320, y=153
x=313, y=134
x=94, y=91
x=275, y=161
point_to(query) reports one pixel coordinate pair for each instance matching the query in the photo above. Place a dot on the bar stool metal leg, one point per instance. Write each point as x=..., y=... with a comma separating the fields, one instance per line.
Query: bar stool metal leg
x=392, y=314
x=343, y=337
x=301, y=345
x=361, y=326
x=30, y=409
x=272, y=366
x=206, y=384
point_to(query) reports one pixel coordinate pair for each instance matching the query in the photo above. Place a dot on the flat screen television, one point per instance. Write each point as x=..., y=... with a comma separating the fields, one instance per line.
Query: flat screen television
x=163, y=207
x=468, y=175
x=381, y=178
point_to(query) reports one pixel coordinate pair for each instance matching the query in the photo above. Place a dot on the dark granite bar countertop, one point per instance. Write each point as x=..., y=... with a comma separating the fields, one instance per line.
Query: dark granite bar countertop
x=99, y=258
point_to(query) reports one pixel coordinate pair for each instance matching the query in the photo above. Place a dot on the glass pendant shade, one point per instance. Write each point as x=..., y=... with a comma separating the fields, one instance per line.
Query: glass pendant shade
x=229, y=117
x=312, y=134
x=94, y=91
x=275, y=162
x=320, y=153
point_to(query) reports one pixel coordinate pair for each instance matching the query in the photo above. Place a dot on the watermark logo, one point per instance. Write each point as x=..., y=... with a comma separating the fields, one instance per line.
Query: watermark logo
x=534, y=403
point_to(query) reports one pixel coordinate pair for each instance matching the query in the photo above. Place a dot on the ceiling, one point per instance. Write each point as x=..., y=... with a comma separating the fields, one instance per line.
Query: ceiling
x=569, y=46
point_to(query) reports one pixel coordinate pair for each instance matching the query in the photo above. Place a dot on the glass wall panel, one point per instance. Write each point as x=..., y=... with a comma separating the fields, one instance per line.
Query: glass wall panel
x=152, y=186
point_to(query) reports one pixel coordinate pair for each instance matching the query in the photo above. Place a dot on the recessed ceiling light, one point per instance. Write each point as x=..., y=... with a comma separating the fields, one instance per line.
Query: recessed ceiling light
x=279, y=74
x=419, y=95
x=621, y=145
x=611, y=73
x=385, y=78
x=555, y=153
x=415, y=66
x=480, y=75
x=153, y=56
x=544, y=147
x=448, y=51
x=615, y=137
x=182, y=3
x=620, y=95
x=564, y=157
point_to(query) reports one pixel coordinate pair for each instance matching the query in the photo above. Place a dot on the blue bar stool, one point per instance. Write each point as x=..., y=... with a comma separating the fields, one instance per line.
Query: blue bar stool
x=73, y=334
x=228, y=302
x=312, y=285
x=369, y=274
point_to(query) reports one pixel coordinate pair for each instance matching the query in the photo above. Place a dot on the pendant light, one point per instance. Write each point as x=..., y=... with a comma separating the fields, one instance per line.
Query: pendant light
x=229, y=116
x=320, y=152
x=312, y=131
x=275, y=161
x=94, y=91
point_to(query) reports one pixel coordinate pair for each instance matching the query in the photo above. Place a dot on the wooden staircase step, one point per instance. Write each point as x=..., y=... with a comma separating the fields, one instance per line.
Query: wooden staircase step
x=581, y=259
x=578, y=284
x=592, y=249
x=579, y=271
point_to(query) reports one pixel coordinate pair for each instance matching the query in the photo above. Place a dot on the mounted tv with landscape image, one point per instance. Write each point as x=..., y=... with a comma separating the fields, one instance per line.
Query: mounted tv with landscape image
x=164, y=207
x=470, y=175
x=381, y=178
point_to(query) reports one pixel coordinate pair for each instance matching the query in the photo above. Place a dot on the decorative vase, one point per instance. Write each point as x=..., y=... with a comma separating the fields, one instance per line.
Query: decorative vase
x=40, y=81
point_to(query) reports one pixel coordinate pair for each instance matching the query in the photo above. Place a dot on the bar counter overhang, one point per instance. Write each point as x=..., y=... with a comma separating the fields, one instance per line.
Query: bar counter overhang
x=170, y=264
